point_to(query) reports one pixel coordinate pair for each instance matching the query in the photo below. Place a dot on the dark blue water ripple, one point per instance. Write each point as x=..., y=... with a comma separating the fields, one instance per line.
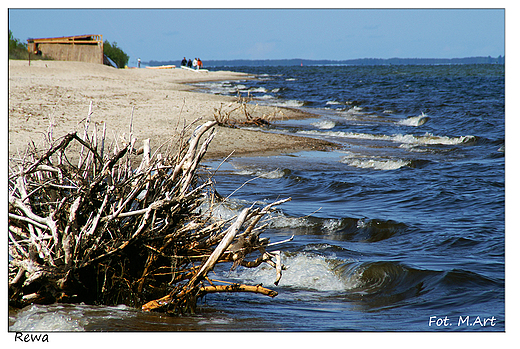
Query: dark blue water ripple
x=411, y=208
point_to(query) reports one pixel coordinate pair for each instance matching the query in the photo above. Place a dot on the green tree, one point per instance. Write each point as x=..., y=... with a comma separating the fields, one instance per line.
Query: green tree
x=17, y=49
x=115, y=53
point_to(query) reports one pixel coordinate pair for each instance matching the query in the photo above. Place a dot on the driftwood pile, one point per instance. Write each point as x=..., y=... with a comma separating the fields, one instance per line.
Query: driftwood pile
x=239, y=113
x=105, y=225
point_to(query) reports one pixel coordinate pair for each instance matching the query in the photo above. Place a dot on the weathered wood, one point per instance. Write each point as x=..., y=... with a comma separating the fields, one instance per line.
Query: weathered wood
x=228, y=118
x=238, y=288
x=222, y=246
x=99, y=230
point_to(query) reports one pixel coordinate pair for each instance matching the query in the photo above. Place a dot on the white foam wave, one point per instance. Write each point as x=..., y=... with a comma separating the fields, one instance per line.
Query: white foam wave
x=274, y=174
x=331, y=224
x=413, y=148
x=266, y=96
x=324, y=124
x=229, y=87
x=221, y=87
x=280, y=221
x=304, y=270
x=376, y=164
x=38, y=318
x=257, y=90
x=291, y=103
x=290, y=79
x=58, y=317
x=361, y=223
x=354, y=111
x=414, y=120
x=426, y=139
x=429, y=139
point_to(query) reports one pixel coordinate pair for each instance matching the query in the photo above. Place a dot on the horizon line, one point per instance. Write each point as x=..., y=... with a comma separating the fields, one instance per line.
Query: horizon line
x=333, y=60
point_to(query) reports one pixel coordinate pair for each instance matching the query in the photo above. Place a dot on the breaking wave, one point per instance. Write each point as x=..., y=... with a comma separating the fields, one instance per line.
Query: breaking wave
x=426, y=139
x=414, y=120
x=324, y=124
x=68, y=317
x=376, y=163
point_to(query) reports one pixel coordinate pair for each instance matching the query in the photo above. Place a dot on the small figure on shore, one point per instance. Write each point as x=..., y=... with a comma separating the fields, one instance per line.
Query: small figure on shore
x=195, y=63
x=183, y=62
x=138, y=62
x=199, y=64
x=189, y=63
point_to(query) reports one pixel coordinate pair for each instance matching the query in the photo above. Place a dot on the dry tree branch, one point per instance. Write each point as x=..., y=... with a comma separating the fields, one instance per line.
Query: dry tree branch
x=227, y=118
x=238, y=288
x=97, y=228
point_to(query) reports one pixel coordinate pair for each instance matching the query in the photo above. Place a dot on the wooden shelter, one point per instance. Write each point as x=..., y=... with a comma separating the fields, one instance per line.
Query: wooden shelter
x=82, y=48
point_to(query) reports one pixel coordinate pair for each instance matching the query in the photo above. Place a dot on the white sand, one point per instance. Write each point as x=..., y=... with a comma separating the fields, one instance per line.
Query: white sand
x=61, y=92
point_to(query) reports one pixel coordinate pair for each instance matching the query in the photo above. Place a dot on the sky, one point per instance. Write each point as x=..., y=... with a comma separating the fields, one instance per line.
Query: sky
x=337, y=34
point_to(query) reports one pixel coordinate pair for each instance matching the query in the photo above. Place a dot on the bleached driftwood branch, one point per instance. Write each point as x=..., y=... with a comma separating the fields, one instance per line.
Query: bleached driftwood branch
x=99, y=229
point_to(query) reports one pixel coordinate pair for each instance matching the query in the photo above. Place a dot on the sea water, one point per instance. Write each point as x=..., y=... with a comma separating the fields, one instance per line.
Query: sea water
x=401, y=228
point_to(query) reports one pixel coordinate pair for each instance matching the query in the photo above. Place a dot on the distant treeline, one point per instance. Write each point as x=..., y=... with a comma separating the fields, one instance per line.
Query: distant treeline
x=359, y=61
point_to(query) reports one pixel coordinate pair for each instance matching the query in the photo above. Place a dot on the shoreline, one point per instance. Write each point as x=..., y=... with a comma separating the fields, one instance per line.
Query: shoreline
x=157, y=102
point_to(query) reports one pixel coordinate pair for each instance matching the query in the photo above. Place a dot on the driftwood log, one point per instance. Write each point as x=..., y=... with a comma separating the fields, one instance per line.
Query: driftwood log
x=104, y=225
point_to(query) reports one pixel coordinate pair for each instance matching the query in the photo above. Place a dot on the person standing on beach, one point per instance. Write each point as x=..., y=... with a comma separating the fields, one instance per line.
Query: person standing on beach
x=195, y=63
x=189, y=63
x=199, y=64
x=183, y=62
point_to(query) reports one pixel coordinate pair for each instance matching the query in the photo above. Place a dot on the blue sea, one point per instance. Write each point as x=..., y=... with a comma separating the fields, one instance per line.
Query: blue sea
x=401, y=227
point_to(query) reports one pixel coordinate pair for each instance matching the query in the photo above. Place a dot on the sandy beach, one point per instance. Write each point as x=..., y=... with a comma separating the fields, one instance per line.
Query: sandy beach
x=160, y=100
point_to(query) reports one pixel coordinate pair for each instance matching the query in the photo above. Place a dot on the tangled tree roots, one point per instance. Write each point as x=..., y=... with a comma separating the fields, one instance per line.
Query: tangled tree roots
x=107, y=232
